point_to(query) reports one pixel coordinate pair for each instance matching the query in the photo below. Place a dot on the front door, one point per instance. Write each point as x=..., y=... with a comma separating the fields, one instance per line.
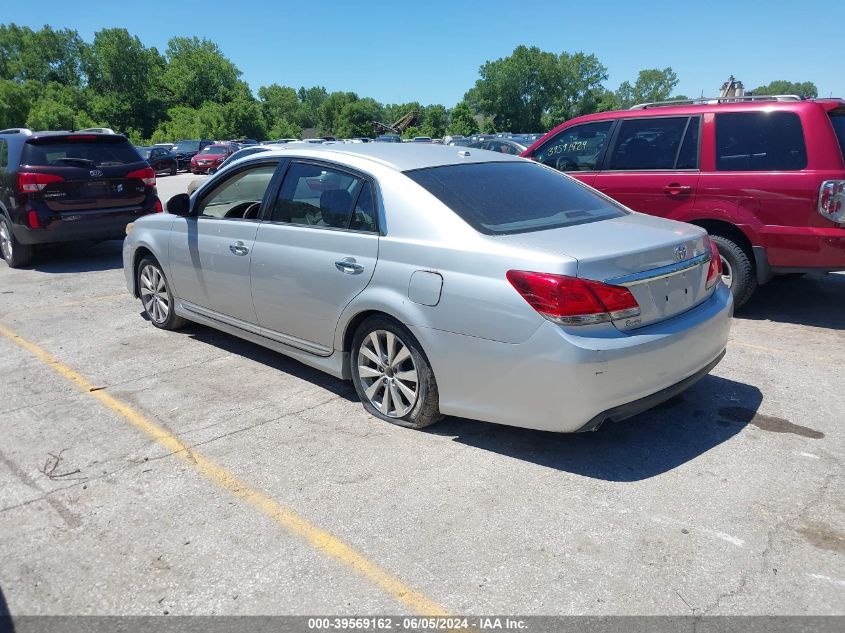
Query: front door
x=314, y=253
x=211, y=251
x=576, y=150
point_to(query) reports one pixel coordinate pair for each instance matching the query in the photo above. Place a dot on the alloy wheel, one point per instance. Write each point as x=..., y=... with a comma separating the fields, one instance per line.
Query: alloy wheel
x=388, y=374
x=727, y=272
x=154, y=295
x=5, y=241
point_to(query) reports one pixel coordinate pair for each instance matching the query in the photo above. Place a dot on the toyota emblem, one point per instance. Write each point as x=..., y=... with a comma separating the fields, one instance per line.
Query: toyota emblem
x=681, y=252
x=96, y=173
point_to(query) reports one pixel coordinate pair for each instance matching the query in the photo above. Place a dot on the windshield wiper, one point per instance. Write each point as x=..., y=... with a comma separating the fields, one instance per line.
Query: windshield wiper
x=83, y=161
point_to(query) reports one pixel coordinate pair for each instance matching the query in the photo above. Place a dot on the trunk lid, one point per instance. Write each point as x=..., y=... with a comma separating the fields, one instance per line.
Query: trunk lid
x=663, y=263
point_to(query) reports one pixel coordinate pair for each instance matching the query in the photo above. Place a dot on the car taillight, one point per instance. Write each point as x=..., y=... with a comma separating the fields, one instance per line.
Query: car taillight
x=157, y=207
x=571, y=300
x=32, y=182
x=714, y=272
x=832, y=200
x=148, y=175
x=33, y=219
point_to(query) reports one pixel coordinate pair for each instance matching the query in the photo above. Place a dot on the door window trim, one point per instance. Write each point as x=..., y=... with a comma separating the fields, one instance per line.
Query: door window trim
x=231, y=174
x=374, y=192
x=614, y=138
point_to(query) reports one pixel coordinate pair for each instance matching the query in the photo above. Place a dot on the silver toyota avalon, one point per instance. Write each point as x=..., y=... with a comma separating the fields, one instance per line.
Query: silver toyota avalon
x=441, y=281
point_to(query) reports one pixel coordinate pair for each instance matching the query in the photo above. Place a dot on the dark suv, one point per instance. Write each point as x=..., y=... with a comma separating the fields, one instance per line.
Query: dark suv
x=186, y=149
x=764, y=175
x=65, y=186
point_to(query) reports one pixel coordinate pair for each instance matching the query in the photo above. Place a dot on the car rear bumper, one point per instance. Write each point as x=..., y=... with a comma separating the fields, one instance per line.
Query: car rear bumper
x=82, y=225
x=564, y=379
x=804, y=247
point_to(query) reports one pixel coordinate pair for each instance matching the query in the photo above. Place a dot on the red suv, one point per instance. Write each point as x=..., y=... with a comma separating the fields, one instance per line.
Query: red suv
x=765, y=177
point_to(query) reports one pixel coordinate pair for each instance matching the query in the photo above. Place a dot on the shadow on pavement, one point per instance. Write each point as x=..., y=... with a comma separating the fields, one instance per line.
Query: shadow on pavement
x=813, y=299
x=6, y=624
x=79, y=257
x=638, y=448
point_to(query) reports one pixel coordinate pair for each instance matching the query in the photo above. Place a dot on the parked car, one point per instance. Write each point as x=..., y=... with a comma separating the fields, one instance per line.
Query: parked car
x=185, y=150
x=244, y=142
x=160, y=159
x=67, y=187
x=167, y=146
x=460, y=142
x=388, y=138
x=212, y=157
x=353, y=259
x=241, y=153
x=513, y=145
x=422, y=139
x=764, y=176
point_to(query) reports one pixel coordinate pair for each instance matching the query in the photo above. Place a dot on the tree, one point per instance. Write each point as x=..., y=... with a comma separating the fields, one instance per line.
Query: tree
x=356, y=118
x=652, y=84
x=435, y=121
x=58, y=108
x=329, y=111
x=43, y=56
x=580, y=89
x=197, y=72
x=489, y=126
x=462, y=121
x=310, y=100
x=16, y=100
x=281, y=106
x=783, y=87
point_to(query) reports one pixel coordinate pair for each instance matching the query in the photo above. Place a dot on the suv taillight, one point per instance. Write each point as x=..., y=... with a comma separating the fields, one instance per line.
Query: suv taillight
x=714, y=272
x=33, y=182
x=571, y=300
x=832, y=200
x=148, y=175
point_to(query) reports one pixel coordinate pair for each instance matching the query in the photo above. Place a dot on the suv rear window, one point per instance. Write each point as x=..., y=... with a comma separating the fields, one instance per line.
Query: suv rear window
x=513, y=197
x=68, y=152
x=759, y=141
x=837, y=119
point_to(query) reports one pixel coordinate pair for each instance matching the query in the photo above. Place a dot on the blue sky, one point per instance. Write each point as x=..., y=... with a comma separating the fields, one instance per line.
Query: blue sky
x=430, y=51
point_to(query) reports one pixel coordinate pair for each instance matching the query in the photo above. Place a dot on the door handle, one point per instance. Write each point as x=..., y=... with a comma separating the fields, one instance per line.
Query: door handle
x=239, y=248
x=349, y=266
x=676, y=189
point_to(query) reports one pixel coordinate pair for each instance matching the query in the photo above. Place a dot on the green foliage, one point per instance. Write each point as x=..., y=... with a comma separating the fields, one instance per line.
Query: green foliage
x=435, y=121
x=43, y=56
x=16, y=100
x=783, y=87
x=489, y=126
x=328, y=114
x=281, y=108
x=197, y=72
x=356, y=118
x=58, y=108
x=462, y=121
x=652, y=84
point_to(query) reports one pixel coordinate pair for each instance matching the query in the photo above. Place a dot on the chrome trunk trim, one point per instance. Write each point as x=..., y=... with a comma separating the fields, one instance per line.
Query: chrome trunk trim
x=659, y=273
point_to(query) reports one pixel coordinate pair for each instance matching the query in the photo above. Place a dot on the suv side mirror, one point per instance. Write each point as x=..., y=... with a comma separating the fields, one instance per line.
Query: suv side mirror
x=179, y=204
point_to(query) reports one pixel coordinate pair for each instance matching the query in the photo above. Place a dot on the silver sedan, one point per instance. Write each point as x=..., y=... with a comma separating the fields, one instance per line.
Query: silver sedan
x=440, y=281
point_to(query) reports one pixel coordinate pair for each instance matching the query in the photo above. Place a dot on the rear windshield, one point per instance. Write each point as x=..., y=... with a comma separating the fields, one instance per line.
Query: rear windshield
x=514, y=197
x=837, y=118
x=186, y=146
x=214, y=150
x=83, y=153
x=144, y=152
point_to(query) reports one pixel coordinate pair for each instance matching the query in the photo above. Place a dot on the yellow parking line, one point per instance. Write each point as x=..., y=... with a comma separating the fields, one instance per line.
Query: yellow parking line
x=285, y=517
x=760, y=347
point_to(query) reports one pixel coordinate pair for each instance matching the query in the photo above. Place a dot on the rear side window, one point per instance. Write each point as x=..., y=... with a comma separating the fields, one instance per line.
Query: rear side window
x=759, y=141
x=837, y=119
x=317, y=196
x=576, y=148
x=513, y=197
x=82, y=153
x=648, y=143
x=4, y=154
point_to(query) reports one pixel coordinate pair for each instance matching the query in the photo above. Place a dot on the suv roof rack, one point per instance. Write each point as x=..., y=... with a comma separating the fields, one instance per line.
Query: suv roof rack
x=17, y=130
x=716, y=100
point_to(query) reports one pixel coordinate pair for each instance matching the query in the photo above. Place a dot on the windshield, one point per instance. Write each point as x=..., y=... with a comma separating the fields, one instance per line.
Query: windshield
x=212, y=149
x=514, y=197
x=69, y=153
x=186, y=146
x=837, y=119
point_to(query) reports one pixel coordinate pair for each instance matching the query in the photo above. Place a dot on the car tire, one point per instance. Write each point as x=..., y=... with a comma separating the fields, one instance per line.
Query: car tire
x=173, y=170
x=738, y=271
x=391, y=378
x=13, y=252
x=155, y=295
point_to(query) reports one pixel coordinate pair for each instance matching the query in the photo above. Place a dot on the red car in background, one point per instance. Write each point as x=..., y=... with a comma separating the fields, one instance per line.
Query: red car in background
x=211, y=157
x=764, y=175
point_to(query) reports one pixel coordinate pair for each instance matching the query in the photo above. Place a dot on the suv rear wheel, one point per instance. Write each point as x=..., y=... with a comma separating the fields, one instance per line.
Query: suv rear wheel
x=737, y=268
x=15, y=253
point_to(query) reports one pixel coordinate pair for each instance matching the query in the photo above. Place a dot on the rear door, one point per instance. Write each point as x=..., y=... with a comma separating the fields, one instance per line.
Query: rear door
x=314, y=253
x=653, y=165
x=577, y=150
x=211, y=251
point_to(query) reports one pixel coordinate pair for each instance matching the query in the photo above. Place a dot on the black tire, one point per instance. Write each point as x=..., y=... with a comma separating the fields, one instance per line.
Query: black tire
x=153, y=308
x=740, y=265
x=16, y=254
x=173, y=170
x=424, y=411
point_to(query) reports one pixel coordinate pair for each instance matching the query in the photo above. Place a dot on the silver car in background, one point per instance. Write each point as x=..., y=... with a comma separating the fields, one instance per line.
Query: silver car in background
x=441, y=281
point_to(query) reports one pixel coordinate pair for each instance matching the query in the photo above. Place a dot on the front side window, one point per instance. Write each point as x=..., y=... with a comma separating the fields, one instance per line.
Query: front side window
x=759, y=141
x=576, y=148
x=317, y=195
x=4, y=154
x=647, y=143
x=514, y=196
x=239, y=196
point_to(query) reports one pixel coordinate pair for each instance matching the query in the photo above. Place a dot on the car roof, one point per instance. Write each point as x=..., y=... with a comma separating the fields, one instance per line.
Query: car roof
x=401, y=157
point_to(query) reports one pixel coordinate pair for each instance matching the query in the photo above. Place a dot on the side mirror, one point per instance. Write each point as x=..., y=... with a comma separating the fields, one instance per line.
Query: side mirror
x=179, y=204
